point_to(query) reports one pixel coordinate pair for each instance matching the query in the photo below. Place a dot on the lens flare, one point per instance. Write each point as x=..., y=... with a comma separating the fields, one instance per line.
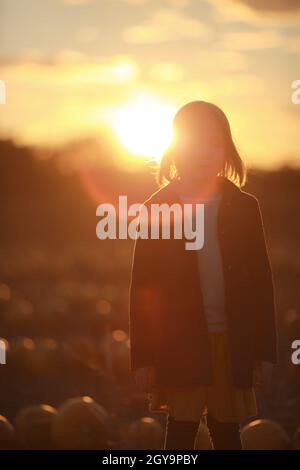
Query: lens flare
x=144, y=126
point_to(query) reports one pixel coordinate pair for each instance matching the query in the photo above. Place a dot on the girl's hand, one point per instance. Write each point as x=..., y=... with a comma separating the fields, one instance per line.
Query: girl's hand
x=145, y=378
x=262, y=373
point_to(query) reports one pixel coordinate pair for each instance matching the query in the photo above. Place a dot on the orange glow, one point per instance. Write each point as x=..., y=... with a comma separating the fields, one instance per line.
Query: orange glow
x=144, y=126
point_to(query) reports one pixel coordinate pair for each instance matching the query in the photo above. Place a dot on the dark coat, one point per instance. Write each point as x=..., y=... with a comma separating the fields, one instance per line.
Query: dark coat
x=167, y=324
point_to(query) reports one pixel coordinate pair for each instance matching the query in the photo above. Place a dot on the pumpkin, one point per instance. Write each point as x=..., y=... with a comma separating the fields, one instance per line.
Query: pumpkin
x=4, y=351
x=145, y=433
x=202, y=440
x=120, y=353
x=7, y=434
x=113, y=354
x=264, y=434
x=296, y=439
x=33, y=427
x=103, y=355
x=82, y=424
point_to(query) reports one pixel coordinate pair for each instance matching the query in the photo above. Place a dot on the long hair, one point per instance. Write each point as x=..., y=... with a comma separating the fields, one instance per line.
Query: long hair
x=193, y=114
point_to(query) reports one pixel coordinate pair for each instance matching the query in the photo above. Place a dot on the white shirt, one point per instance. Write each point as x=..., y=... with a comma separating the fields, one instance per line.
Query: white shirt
x=210, y=265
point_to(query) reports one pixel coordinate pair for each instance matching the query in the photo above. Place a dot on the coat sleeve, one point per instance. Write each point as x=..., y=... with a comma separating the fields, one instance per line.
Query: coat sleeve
x=265, y=337
x=141, y=306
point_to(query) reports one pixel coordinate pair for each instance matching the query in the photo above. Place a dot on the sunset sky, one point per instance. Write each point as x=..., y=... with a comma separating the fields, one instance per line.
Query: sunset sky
x=72, y=67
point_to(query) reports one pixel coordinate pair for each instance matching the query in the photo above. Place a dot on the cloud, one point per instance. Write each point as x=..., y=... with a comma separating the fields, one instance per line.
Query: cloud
x=73, y=68
x=64, y=96
x=293, y=44
x=272, y=5
x=251, y=11
x=249, y=40
x=179, y=3
x=237, y=84
x=219, y=61
x=76, y=2
x=173, y=3
x=133, y=2
x=87, y=34
x=166, y=25
x=167, y=72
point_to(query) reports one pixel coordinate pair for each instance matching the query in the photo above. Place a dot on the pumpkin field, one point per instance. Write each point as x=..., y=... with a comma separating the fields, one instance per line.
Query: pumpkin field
x=66, y=383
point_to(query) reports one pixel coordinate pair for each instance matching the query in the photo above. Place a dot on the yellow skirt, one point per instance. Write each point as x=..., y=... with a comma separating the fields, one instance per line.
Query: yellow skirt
x=223, y=401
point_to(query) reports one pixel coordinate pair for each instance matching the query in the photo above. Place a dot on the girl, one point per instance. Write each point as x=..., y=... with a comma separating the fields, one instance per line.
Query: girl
x=202, y=322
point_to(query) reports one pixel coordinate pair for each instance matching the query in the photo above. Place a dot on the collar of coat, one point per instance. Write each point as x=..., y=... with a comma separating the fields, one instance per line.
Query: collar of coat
x=168, y=193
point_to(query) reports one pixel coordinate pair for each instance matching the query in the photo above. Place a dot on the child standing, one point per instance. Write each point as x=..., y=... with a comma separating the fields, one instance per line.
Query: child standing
x=202, y=322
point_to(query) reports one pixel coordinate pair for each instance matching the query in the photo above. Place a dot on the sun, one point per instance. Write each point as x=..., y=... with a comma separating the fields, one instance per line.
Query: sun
x=144, y=126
